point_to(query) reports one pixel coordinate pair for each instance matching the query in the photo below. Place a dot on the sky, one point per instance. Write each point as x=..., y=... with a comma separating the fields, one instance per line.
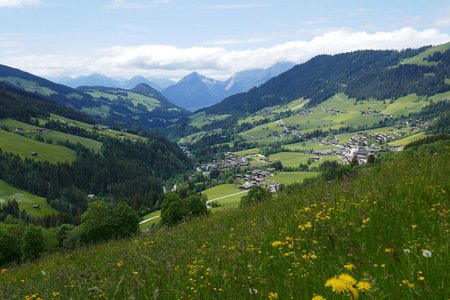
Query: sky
x=172, y=38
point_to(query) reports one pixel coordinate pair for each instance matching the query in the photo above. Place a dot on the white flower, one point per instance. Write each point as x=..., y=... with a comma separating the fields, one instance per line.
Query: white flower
x=253, y=291
x=427, y=253
x=407, y=251
x=43, y=273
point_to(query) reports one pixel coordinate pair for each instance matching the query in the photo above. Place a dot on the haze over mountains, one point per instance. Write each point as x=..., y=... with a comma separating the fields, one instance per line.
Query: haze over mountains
x=192, y=92
x=195, y=91
x=97, y=79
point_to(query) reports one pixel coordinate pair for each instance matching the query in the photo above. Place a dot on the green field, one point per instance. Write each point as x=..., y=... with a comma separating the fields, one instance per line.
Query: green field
x=90, y=128
x=291, y=177
x=149, y=224
x=349, y=115
x=25, y=200
x=308, y=145
x=229, y=194
x=52, y=136
x=28, y=85
x=290, y=159
x=199, y=120
x=406, y=105
x=408, y=139
x=115, y=95
x=23, y=146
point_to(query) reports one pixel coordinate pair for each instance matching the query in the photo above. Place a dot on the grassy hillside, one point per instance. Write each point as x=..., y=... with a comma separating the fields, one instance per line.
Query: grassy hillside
x=420, y=58
x=25, y=200
x=23, y=146
x=387, y=229
x=52, y=136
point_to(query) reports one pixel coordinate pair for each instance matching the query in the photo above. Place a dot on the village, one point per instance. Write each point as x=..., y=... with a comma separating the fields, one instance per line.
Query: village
x=360, y=146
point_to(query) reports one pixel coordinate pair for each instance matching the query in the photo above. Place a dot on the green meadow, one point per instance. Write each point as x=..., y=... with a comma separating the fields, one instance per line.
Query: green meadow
x=25, y=200
x=290, y=159
x=381, y=233
x=28, y=85
x=23, y=146
x=287, y=178
x=52, y=136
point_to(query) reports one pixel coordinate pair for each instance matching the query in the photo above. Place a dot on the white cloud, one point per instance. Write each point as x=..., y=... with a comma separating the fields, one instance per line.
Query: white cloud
x=218, y=62
x=19, y=3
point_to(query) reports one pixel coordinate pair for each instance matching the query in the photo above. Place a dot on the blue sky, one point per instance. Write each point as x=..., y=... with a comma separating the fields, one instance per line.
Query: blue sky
x=171, y=38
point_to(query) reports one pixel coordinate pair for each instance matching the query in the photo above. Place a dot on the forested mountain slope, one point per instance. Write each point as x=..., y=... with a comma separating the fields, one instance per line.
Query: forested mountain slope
x=367, y=74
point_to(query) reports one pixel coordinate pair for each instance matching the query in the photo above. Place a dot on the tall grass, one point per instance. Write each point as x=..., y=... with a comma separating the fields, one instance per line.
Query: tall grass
x=373, y=227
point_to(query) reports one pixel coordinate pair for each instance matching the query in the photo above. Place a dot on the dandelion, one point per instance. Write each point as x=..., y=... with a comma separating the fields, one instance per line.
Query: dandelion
x=364, y=286
x=389, y=250
x=277, y=244
x=349, y=266
x=305, y=226
x=318, y=297
x=336, y=285
x=426, y=253
x=407, y=283
x=273, y=295
x=420, y=276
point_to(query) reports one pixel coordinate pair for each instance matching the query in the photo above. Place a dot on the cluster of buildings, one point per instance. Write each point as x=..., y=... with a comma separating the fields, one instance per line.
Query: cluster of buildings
x=376, y=113
x=257, y=178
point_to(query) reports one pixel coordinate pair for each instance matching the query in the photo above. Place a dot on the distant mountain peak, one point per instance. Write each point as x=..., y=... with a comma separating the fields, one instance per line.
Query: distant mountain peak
x=195, y=90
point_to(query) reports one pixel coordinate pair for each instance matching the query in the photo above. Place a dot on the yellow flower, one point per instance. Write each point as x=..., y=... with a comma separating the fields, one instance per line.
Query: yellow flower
x=4, y=270
x=119, y=264
x=344, y=283
x=318, y=297
x=414, y=226
x=364, y=286
x=353, y=292
x=276, y=244
x=305, y=226
x=389, y=250
x=349, y=266
x=273, y=295
x=420, y=276
x=336, y=285
x=348, y=279
x=135, y=273
x=365, y=221
x=55, y=294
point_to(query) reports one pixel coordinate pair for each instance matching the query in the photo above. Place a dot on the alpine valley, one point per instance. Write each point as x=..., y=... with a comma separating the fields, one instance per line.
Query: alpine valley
x=325, y=179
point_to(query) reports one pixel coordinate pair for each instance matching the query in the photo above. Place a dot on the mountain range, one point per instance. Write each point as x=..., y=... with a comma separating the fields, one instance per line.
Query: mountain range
x=196, y=91
x=97, y=79
x=140, y=107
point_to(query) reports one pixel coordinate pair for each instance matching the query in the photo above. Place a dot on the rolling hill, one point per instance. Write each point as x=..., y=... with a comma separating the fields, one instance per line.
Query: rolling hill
x=116, y=107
